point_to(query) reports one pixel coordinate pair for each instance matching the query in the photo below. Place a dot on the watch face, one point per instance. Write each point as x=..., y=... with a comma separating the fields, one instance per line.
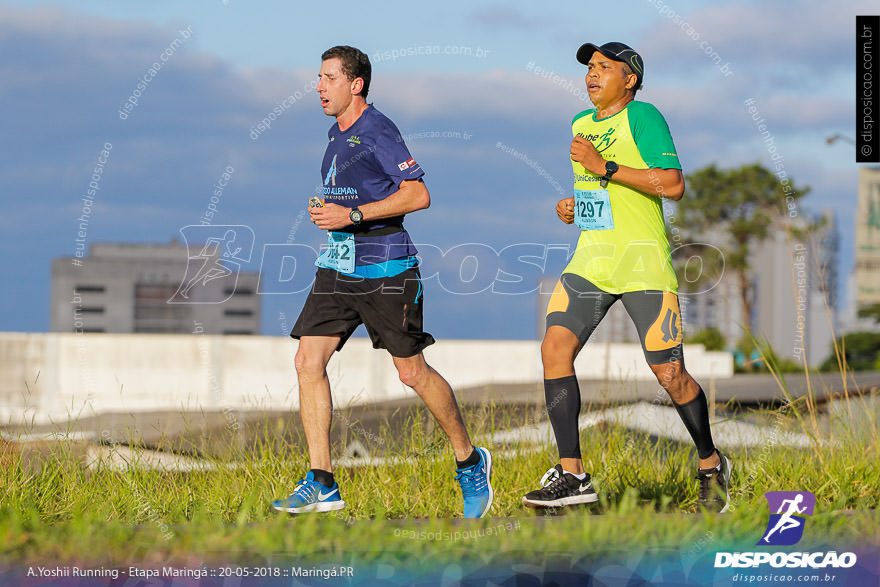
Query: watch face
x=356, y=215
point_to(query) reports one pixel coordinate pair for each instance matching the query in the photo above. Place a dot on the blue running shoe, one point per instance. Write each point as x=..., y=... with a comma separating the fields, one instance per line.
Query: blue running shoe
x=476, y=485
x=310, y=496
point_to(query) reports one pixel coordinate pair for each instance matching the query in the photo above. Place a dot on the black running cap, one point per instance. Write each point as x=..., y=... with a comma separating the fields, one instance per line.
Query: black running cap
x=618, y=52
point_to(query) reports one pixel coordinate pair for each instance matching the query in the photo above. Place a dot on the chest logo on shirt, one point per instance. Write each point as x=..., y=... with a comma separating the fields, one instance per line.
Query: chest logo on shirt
x=604, y=140
x=344, y=192
x=353, y=140
x=331, y=173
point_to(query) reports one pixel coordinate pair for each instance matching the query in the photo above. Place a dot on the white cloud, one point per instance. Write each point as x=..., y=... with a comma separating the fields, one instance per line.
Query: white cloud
x=754, y=37
x=501, y=15
x=520, y=96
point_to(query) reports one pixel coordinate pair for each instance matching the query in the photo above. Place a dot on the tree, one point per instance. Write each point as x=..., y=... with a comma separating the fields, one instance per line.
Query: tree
x=870, y=311
x=731, y=211
x=711, y=338
x=861, y=352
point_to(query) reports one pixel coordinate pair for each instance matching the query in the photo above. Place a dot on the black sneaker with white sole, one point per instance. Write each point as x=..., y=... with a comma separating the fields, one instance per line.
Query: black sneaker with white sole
x=715, y=486
x=562, y=491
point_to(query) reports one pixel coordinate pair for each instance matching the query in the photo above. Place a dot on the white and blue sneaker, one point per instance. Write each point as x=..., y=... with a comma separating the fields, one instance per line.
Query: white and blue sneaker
x=310, y=496
x=476, y=485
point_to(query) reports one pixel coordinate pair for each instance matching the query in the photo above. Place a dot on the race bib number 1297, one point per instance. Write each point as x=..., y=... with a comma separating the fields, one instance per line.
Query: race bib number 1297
x=592, y=210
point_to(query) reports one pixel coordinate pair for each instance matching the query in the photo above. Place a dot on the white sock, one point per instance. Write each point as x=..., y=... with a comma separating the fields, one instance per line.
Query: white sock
x=580, y=477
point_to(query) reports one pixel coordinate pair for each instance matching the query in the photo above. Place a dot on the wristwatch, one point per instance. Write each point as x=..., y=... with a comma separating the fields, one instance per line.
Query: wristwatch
x=610, y=169
x=355, y=216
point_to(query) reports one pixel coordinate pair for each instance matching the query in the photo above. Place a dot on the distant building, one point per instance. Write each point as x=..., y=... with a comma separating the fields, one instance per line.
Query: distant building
x=797, y=293
x=794, y=291
x=850, y=320
x=714, y=305
x=125, y=288
x=867, y=258
x=863, y=284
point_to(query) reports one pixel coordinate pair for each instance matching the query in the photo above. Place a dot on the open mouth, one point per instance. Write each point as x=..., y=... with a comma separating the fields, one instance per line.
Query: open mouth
x=324, y=101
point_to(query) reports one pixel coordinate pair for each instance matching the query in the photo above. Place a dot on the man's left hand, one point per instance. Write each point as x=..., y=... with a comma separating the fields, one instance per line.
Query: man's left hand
x=330, y=217
x=586, y=154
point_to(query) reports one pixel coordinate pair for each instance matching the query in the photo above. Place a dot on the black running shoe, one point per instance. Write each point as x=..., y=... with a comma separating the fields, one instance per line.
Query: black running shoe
x=562, y=491
x=715, y=486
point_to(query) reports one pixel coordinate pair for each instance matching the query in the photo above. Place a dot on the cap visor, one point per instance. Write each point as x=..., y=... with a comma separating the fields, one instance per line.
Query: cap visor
x=585, y=52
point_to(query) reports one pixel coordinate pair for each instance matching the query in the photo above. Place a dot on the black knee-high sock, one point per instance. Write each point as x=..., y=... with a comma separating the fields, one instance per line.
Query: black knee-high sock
x=563, y=397
x=695, y=415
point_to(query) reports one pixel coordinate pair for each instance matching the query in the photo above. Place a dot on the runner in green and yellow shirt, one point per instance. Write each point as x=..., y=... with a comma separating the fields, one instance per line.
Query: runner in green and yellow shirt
x=623, y=246
x=624, y=163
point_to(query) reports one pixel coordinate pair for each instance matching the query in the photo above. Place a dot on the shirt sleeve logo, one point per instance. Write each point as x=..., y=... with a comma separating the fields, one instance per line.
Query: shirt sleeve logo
x=403, y=166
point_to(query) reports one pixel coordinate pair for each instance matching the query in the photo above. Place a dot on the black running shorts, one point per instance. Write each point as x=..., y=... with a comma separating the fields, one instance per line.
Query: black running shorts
x=389, y=307
x=579, y=305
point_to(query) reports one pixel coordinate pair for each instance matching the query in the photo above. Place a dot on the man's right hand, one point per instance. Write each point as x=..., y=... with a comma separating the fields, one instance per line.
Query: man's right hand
x=330, y=216
x=565, y=210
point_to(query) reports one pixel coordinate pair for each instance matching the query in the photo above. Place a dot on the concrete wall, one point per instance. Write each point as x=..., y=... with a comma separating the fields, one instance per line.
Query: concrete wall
x=55, y=376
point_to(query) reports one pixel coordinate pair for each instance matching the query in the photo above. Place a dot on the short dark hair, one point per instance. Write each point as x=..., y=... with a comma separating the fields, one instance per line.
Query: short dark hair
x=355, y=64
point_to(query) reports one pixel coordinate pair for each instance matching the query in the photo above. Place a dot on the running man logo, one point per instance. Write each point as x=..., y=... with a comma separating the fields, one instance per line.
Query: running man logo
x=214, y=252
x=786, y=526
x=605, y=141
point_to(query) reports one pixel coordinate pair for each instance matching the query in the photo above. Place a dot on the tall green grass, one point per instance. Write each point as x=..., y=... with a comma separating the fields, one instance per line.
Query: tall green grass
x=53, y=505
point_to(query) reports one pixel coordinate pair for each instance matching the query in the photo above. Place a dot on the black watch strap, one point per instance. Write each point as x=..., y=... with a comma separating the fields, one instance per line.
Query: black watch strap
x=610, y=169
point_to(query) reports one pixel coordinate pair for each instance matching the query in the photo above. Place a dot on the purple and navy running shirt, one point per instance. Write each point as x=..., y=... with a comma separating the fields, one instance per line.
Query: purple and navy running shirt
x=366, y=163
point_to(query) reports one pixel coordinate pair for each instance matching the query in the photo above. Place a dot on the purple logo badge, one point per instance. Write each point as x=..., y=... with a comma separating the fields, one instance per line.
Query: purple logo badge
x=787, y=511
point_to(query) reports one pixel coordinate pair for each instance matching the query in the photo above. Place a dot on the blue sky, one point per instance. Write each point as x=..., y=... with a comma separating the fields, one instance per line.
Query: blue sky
x=465, y=69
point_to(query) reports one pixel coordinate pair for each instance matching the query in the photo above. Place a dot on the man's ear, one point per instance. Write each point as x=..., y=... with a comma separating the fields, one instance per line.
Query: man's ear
x=357, y=85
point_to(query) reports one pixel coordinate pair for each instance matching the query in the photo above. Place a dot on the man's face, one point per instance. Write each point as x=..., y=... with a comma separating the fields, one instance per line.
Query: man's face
x=334, y=88
x=606, y=80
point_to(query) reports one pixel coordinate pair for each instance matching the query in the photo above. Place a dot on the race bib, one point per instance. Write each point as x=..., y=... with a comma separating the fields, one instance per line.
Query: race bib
x=339, y=254
x=592, y=210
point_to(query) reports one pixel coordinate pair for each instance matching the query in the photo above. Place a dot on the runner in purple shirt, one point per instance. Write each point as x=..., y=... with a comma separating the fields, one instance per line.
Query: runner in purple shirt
x=368, y=275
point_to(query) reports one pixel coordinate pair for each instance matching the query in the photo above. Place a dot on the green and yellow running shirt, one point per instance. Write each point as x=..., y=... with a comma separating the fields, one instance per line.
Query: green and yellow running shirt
x=627, y=251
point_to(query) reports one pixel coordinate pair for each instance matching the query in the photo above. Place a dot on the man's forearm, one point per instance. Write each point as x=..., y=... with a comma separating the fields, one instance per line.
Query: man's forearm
x=666, y=183
x=411, y=196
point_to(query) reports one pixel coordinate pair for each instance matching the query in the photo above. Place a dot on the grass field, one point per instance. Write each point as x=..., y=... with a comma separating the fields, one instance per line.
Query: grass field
x=62, y=510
